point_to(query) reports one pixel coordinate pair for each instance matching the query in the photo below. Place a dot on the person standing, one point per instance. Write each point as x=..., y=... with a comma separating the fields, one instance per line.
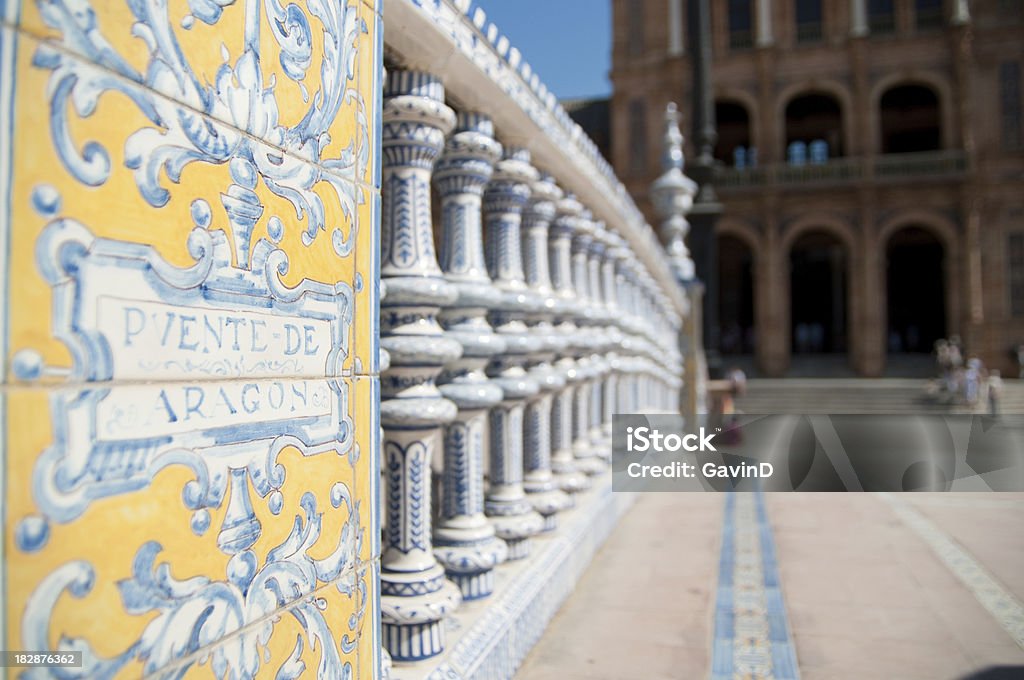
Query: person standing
x=973, y=380
x=995, y=392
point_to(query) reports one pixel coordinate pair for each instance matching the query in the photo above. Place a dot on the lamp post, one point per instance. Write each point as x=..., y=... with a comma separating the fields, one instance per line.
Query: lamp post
x=706, y=207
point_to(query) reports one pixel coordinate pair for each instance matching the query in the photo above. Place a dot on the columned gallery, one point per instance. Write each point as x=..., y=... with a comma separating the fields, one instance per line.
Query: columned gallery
x=867, y=161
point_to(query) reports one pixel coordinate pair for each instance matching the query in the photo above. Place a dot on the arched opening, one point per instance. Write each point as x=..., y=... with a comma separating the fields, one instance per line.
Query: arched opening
x=915, y=291
x=911, y=119
x=733, y=123
x=814, y=129
x=736, y=296
x=818, y=293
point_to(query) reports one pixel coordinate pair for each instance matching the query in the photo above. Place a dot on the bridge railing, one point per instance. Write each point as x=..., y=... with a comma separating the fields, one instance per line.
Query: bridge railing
x=548, y=306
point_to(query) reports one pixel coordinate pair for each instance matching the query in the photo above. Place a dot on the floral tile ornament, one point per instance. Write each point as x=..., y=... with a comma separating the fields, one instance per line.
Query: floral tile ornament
x=169, y=590
x=366, y=291
x=366, y=398
x=290, y=652
x=181, y=215
x=228, y=196
x=279, y=72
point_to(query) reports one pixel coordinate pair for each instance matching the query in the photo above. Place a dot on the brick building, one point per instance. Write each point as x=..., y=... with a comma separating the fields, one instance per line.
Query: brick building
x=871, y=169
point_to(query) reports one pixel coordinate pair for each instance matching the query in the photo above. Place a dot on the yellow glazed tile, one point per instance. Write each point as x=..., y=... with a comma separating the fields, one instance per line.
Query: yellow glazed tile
x=366, y=317
x=366, y=398
x=369, y=635
x=225, y=226
x=284, y=73
x=288, y=649
x=371, y=74
x=173, y=547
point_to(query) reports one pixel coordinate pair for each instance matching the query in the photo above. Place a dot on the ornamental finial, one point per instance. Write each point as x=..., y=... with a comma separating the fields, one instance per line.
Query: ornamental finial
x=673, y=154
x=672, y=195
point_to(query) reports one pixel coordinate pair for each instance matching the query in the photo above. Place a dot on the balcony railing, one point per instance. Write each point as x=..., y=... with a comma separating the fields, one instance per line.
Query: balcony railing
x=741, y=40
x=808, y=32
x=929, y=18
x=882, y=24
x=888, y=167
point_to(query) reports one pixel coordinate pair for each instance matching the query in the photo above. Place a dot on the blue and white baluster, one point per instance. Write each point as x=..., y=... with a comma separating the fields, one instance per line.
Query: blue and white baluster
x=643, y=382
x=600, y=317
x=538, y=479
x=658, y=343
x=614, y=251
x=415, y=595
x=647, y=313
x=563, y=462
x=586, y=344
x=669, y=345
x=658, y=327
x=464, y=540
x=621, y=255
x=633, y=342
x=506, y=504
x=678, y=362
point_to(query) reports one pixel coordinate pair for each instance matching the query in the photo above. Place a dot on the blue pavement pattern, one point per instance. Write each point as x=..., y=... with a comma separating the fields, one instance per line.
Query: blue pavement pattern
x=752, y=638
x=930, y=584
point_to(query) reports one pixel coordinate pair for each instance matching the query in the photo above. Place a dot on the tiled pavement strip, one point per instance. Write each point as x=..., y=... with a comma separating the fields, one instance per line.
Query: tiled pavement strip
x=997, y=600
x=725, y=618
x=751, y=635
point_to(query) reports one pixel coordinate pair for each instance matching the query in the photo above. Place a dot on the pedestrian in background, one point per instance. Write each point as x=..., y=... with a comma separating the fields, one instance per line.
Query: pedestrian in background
x=972, y=380
x=995, y=392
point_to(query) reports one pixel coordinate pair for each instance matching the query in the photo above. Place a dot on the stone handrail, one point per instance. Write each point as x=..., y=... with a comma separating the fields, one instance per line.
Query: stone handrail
x=483, y=72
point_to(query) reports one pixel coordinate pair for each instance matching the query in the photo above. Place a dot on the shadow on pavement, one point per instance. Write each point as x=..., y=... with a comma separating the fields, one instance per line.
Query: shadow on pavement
x=997, y=673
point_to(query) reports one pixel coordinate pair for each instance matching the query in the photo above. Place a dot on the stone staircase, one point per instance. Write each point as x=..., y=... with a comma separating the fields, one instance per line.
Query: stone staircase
x=858, y=395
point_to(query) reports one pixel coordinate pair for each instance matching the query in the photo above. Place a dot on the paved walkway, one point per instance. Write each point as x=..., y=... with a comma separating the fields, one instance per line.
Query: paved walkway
x=856, y=586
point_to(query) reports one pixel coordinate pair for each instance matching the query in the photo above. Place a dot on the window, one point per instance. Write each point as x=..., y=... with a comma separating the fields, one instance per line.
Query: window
x=740, y=24
x=635, y=27
x=1011, y=11
x=1009, y=92
x=881, y=18
x=927, y=14
x=808, y=21
x=638, y=137
x=1016, y=262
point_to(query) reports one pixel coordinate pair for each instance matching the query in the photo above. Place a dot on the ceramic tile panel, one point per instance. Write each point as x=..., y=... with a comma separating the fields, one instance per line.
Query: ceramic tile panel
x=195, y=546
x=285, y=73
x=366, y=398
x=369, y=635
x=289, y=651
x=371, y=74
x=366, y=292
x=192, y=207
x=186, y=456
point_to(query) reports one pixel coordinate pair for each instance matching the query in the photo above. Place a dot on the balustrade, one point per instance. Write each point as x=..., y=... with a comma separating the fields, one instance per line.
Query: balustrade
x=563, y=463
x=506, y=355
x=465, y=541
x=600, y=437
x=539, y=482
x=415, y=595
x=504, y=199
x=585, y=345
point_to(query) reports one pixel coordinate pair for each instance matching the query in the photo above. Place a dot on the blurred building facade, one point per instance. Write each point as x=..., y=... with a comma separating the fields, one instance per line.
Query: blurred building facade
x=871, y=168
